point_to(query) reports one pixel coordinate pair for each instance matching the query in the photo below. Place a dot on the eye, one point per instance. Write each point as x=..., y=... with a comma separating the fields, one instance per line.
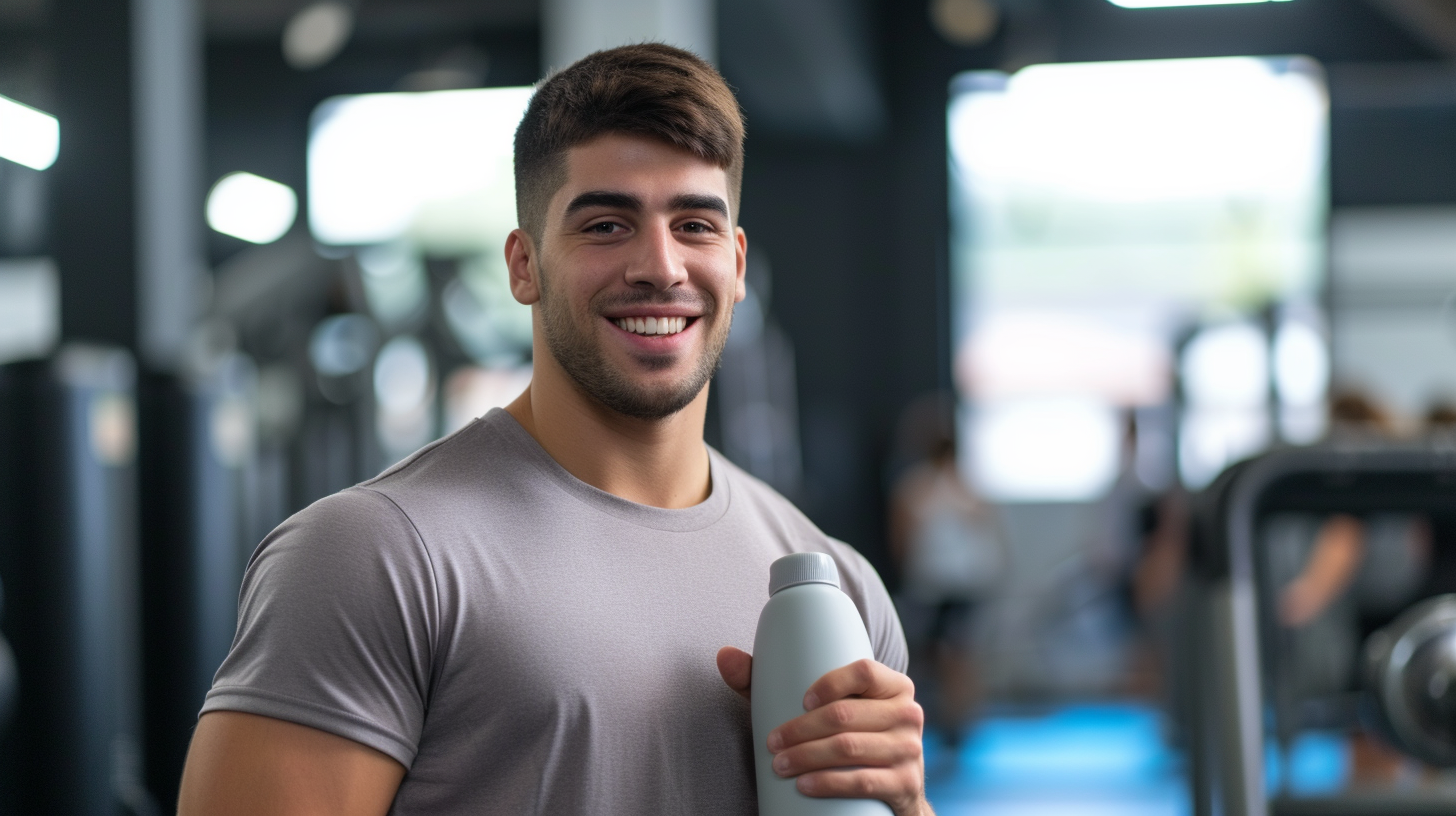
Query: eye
x=604, y=228
x=697, y=228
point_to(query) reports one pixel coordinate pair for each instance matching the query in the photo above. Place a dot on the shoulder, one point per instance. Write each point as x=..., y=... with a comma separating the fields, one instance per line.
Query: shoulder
x=488, y=463
x=795, y=532
x=484, y=444
x=766, y=505
x=751, y=496
x=344, y=537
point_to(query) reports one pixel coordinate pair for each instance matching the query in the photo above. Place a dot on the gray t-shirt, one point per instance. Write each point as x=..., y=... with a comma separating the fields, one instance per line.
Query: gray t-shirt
x=521, y=641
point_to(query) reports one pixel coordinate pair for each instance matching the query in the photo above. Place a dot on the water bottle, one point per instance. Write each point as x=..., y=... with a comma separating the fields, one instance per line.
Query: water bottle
x=807, y=629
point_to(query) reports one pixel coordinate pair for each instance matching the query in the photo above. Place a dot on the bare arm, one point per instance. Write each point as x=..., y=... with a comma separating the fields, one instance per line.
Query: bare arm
x=1331, y=568
x=246, y=764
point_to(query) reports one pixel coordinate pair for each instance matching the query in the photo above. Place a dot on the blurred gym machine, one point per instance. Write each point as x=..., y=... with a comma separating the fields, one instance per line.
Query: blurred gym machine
x=1398, y=695
x=68, y=553
x=197, y=439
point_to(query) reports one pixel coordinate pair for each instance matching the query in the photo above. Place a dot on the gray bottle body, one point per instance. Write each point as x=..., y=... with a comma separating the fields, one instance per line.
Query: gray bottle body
x=805, y=631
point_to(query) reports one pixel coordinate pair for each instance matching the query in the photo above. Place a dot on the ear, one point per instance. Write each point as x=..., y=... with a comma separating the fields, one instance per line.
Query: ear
x=740, y=251
x=522, y=262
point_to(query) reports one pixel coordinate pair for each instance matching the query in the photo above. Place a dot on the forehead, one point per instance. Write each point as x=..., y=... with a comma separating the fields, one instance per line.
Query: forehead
x=646, y=167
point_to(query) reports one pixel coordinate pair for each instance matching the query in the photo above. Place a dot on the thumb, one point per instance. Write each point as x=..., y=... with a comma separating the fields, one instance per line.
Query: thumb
x=736, y=666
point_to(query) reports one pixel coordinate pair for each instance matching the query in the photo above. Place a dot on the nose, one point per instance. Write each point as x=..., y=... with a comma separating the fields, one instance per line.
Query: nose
x=658, y=262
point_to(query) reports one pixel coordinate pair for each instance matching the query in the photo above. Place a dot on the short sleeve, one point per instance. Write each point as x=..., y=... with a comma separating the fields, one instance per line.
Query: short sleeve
x=337, y=623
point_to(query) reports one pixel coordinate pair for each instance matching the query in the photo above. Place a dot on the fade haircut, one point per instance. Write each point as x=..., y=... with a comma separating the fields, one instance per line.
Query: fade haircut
x=650, y=90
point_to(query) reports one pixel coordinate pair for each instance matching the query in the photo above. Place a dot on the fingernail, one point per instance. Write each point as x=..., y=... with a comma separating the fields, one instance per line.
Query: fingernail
x=781, y=764
x=775, y=742
x=811, y=701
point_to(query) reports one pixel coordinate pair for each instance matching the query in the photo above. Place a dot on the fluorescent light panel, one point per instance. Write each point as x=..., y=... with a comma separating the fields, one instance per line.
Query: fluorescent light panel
x=435, y=167
x=28, y=136
x=1170, y=3
x=251, y=207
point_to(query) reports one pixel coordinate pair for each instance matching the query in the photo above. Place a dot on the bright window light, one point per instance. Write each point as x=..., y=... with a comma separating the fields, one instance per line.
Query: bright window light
x=1090, y=182
x=1301, y=364
x=1227, y=367
x=1168, y=3
x=433, y=168
x=1021, y=353
x=251, y=207
x=28, y=136
x=1044, y=450
x=1211, y=439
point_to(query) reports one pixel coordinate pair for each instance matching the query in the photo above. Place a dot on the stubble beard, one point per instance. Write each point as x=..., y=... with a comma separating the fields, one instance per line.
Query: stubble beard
x=573, y=346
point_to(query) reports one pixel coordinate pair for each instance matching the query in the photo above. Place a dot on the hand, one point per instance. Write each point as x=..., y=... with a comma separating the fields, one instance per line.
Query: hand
x=859, y=738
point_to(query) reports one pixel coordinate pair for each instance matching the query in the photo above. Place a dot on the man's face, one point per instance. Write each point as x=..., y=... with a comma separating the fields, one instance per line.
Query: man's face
x=637, y=273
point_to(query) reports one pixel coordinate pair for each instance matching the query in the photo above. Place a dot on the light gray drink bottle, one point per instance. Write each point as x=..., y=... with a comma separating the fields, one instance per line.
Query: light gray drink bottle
x=807, y=629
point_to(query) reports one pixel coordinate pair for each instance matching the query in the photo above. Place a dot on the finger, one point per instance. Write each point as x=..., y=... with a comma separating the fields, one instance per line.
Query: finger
x=900, y=784
x=853, y=749
x=736, y=667
x=862, y=678
x=848, y=715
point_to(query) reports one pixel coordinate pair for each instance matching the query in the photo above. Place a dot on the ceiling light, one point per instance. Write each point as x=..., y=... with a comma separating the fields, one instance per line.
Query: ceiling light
x=317, y=34
x=28, y=136
x=251, y=207
x=1168, y=3
x=968, y=23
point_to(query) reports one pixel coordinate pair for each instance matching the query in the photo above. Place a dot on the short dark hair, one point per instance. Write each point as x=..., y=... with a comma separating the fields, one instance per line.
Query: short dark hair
x=651, y=90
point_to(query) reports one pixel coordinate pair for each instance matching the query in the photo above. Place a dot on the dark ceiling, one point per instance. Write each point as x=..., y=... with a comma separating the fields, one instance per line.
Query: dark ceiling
x=264, y=19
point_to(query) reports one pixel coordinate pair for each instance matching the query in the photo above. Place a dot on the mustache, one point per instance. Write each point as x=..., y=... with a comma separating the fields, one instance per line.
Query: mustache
x=655, y=297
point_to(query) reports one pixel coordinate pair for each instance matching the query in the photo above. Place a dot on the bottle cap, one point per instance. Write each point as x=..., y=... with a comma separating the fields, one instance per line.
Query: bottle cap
x=802, y=568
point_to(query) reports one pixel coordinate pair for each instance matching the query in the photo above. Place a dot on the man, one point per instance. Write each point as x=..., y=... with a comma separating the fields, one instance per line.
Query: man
x=526, y=617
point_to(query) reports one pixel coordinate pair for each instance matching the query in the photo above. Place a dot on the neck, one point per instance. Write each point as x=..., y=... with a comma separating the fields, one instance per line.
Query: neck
x=657, y=462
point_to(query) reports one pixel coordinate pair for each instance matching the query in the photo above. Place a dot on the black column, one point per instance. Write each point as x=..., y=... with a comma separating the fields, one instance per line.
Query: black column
x=125, y=234
x=93, y=216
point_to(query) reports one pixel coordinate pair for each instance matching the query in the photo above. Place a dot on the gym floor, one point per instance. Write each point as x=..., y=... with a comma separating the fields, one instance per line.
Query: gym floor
x=1098, y=759
x=1072, y=760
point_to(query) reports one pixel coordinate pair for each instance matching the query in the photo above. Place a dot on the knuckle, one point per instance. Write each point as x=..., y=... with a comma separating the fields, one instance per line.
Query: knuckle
x=906, y=784
x=849, y=746
x=864, y=786
x=913, y=714
x=840, y=713
x=864, y=668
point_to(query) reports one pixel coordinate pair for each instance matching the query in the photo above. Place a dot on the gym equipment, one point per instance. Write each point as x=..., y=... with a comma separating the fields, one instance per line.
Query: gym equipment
x=197, y=433
x=1242, y=672
x=68, y=550
x=1410, y=666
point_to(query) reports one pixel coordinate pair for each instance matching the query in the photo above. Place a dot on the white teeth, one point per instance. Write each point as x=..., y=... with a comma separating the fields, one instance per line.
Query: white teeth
x=659, y=326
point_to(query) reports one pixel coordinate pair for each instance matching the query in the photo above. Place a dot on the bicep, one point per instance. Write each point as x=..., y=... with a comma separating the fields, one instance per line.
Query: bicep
x=246, y=764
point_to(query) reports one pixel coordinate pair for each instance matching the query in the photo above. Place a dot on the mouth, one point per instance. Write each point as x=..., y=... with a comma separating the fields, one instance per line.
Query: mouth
x=653, y=326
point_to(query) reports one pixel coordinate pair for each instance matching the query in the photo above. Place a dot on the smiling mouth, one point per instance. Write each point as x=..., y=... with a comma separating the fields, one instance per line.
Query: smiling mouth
x=652, y=326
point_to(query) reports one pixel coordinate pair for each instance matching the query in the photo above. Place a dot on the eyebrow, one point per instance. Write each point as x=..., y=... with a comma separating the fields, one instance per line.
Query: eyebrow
x=603, y=198
x=695, y=201
x=627, y=201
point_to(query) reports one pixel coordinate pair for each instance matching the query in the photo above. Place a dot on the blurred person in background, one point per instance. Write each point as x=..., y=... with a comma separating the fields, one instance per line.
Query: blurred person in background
x=1440, y=418
x=945, y=541
x=1337, y=578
